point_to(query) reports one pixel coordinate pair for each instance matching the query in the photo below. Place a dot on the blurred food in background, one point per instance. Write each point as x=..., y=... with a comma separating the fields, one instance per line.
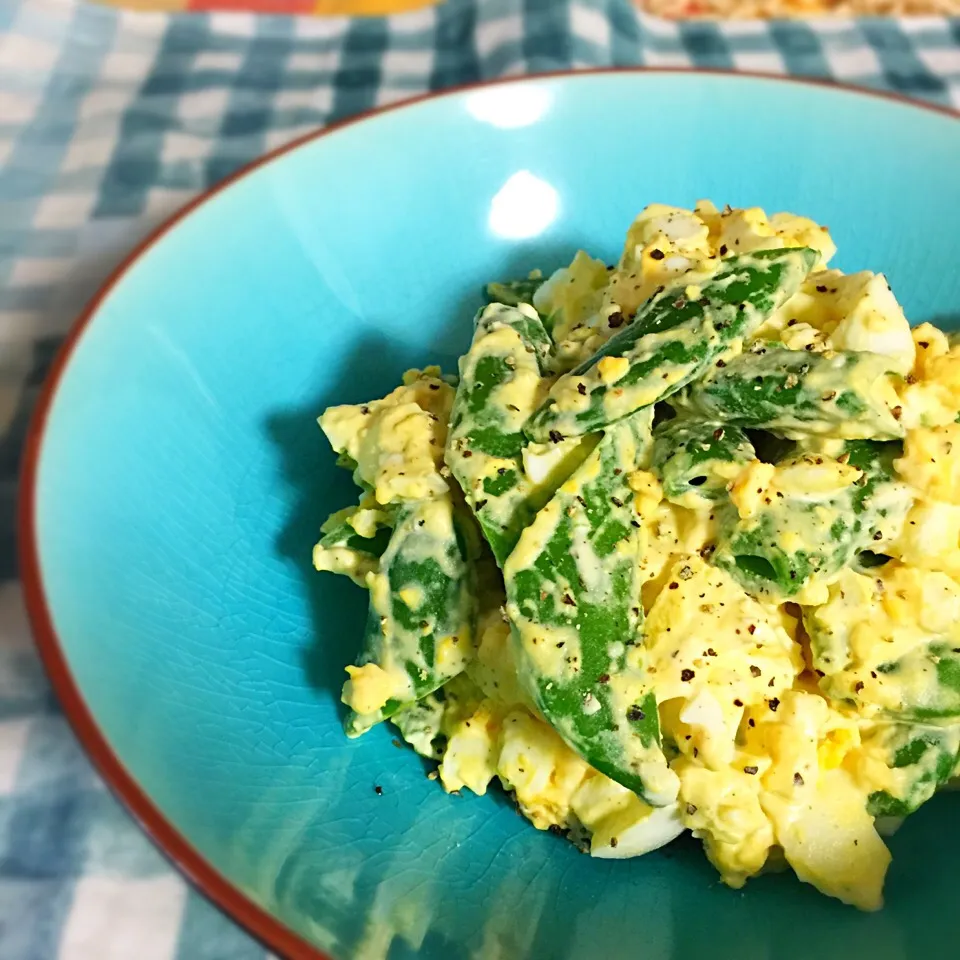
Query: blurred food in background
x=330, y=8
x=671, y=9
x=770, y=9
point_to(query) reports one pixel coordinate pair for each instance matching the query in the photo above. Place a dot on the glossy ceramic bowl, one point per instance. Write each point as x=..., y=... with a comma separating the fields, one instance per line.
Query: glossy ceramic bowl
x=176, y=481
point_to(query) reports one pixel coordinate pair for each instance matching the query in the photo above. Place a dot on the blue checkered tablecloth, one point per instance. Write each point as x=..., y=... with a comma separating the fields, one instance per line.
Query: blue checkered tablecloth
x=110, y=120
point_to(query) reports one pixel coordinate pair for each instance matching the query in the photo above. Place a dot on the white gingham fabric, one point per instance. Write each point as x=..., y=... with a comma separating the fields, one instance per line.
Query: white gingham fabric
x=109, y=120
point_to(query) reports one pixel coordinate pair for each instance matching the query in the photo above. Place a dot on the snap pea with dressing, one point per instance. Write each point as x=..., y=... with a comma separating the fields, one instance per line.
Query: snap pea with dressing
x=423, y=607
x=676, y=335
x=695, y=460
x=342, y=549
x=918, y=758
x=796, y=393
x=798, y=537
x=574, y=600
x=501, y=383
x=513, y=292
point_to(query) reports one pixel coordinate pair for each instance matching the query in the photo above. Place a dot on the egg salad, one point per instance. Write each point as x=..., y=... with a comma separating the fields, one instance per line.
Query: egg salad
x=677, y=548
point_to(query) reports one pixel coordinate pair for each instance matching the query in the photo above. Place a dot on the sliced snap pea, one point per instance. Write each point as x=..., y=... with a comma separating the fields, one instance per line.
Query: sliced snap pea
x=420, y=626
x=513, y=292
x=918, y=680
x=920, y=758
x=793, y=540
x=419, y=724
x=938, y=664
x=342, y=550
x=346, y=462
x=573, y=596
x=693, y=459
x=674, y=338
x=795, y=393
x=500, y=386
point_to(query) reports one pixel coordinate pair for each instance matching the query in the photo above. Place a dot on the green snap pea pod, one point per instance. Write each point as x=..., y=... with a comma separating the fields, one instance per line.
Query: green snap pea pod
x=919, y=758
x=343, y=550
x=795, y=393
x=420, y=627
x=573, y=597
x=940, y=662
x=794, y=539
x=346, y=462
x=419, y=724
x=513, y=292
x=500, y=386
x=886, y=644
x=695, y=460
x=674, y=338
x=427, y=724
x=925, y=683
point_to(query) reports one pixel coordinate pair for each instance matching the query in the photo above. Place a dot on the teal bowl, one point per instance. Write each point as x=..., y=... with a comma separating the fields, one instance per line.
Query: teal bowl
x=176, y=481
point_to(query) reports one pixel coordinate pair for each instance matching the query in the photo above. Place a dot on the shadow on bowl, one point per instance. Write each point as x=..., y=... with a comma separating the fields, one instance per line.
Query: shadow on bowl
x=319, y=488
x=948, y=321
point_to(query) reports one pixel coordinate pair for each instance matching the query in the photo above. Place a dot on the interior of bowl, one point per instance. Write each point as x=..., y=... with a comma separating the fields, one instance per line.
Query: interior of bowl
x=182, y=481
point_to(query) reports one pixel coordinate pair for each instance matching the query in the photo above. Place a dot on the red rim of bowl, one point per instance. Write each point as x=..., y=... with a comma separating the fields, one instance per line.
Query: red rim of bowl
x=202, y=874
